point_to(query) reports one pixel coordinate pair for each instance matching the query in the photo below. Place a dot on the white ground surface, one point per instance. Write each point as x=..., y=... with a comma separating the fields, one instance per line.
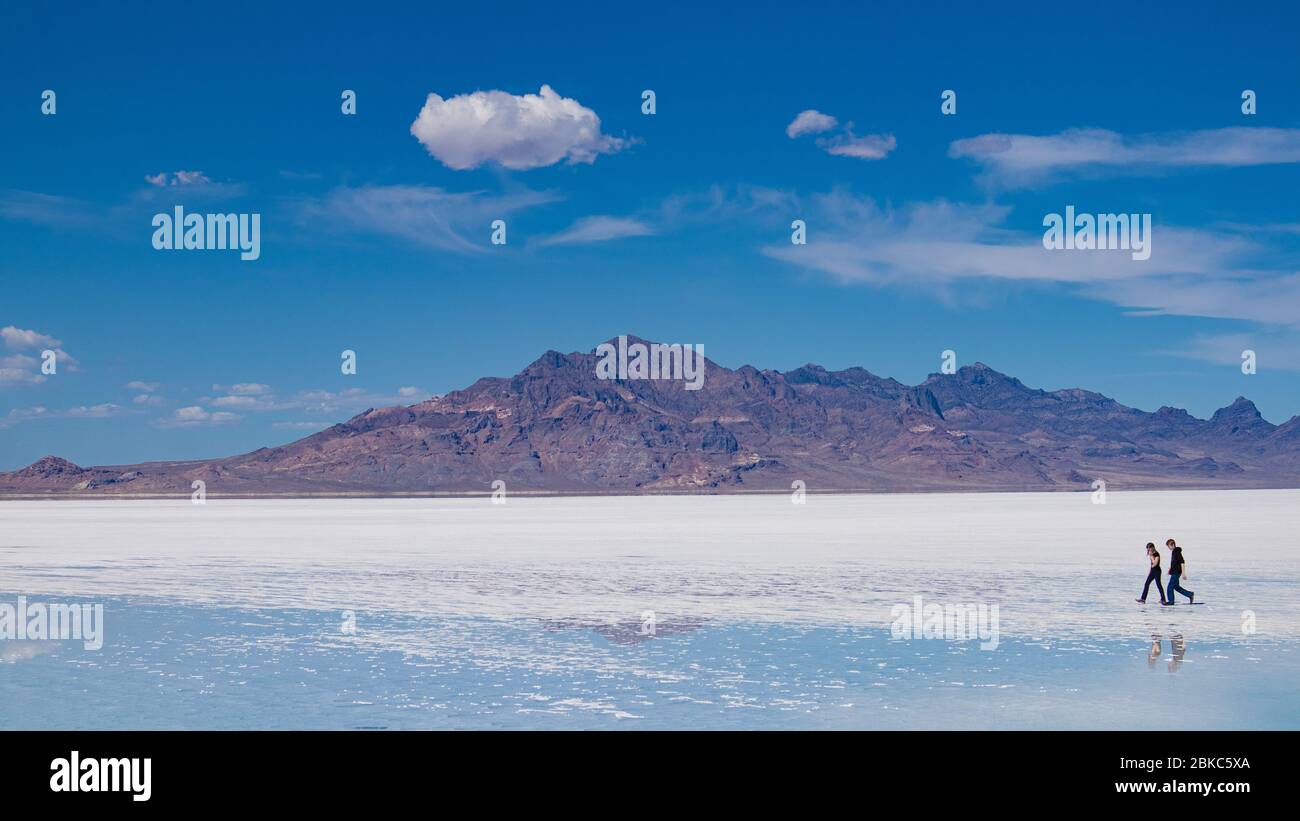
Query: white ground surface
x=1057, y=565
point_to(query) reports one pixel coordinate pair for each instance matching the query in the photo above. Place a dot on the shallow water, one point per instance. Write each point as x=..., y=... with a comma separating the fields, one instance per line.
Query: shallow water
x=536, y=613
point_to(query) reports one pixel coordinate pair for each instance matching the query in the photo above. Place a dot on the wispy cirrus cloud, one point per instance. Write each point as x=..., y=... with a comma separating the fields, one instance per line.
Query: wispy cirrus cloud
x=422, y=215
x=599, y=228
x=104, y=410
x=1257, y=296
x=1191, y=272
x=1274, y=348
x=1024, y=159
x=45, y=209
x=714, y=206
x=115, y=218
x=518, y=132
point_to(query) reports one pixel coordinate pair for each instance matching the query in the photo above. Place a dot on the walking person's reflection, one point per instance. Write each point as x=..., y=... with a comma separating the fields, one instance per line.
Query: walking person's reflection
x=1154, y=653
x=1179, y=648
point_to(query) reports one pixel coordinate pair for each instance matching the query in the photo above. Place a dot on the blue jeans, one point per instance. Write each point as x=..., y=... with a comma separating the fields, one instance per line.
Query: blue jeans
x=1173, y=586
x=1153, y=576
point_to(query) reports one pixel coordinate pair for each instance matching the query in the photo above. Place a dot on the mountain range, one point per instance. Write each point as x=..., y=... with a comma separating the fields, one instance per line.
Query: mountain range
x=555, y=427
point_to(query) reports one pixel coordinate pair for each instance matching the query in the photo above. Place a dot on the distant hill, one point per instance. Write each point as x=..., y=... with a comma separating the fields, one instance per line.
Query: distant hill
x=556, y=427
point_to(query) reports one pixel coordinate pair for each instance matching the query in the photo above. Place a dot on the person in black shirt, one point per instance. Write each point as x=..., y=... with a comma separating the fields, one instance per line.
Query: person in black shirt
x=1154, y=575
x=1177, y=569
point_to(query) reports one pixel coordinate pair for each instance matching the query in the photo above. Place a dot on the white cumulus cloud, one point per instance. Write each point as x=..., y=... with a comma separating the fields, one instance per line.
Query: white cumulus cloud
x=514, y=131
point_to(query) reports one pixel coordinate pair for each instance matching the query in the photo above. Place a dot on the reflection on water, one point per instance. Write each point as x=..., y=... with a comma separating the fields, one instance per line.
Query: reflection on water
x=1177, y=647
x=12, y=652
x=1180, y=649
x=186, y=666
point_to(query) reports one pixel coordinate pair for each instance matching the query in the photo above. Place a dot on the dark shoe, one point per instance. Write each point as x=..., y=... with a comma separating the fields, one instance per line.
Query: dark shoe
x=1140, y=601
x=1191, y=598
x=1167, y=603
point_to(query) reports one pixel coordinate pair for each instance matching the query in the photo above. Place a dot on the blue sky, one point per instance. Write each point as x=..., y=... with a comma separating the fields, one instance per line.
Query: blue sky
x=924, y=230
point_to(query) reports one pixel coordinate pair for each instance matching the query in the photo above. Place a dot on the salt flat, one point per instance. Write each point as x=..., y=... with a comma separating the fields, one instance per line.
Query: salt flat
x=1057, y=565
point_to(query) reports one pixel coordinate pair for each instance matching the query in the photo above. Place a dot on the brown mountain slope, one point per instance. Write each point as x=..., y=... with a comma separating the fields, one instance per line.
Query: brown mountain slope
x=556, y=427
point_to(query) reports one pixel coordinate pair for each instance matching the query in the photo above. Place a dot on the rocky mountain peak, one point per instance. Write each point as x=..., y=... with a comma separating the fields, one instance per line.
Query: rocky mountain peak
x=1241, y=415
x=50, y=466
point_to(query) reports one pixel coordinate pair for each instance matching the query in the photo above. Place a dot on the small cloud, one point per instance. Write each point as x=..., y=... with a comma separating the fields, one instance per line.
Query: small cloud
x=598, y=229
x=518, y=132
x=844, y=144
x=148, y=400
x=190, y=178
x=144, y=387
x=19, y=339
x=195, y=416
x=162, y=180
x=409, y=391
x=92, y=411
x=101, y=411
x=810, y=122
x=245, y=402
x=870, y=147
x=244, y=389
x=22, y=415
